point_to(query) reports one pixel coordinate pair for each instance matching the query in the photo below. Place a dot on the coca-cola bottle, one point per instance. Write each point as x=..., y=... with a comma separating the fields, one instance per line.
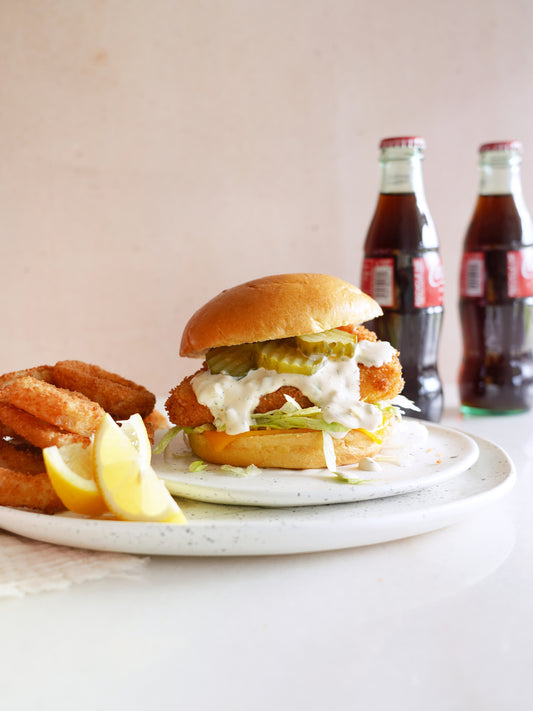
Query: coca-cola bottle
x=496, y=290
x=402, y=271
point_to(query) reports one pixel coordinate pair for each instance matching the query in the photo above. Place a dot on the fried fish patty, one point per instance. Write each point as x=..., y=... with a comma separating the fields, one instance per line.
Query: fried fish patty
x=184, y=409
x=376, y=384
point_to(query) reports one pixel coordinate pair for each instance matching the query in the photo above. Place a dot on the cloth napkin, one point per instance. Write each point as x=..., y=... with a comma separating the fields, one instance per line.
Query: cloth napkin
x=29, y=567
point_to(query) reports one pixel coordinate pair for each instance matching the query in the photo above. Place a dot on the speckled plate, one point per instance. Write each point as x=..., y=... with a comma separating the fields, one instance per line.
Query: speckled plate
x=219, y=530
x=420, y=456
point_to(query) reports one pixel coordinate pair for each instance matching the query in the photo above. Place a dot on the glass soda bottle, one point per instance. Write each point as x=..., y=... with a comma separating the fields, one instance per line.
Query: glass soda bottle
x=402, y=271
x=496, y=290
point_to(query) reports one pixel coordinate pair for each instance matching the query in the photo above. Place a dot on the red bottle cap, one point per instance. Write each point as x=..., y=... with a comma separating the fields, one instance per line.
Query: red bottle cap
x=501, y=146
x=404, y=142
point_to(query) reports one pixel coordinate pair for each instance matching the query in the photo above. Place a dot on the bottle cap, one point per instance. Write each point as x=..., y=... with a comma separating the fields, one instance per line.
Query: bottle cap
x=404, y=142
x=501, y=146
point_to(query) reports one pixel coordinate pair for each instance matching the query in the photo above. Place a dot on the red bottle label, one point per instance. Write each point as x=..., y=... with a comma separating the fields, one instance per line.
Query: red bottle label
x=428, y=280
x=519, y=273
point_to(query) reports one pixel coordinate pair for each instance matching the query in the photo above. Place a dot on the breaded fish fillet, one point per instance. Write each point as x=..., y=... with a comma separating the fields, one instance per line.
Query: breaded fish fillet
x=184, y=409
x=376, y=384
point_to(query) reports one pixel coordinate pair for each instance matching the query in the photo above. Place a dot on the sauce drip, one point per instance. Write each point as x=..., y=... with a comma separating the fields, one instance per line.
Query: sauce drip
x=334, y=388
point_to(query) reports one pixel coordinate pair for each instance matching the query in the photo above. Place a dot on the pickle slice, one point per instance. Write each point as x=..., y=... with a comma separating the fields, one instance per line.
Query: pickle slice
x=231, y=360
x=286, y=358
x=334, y=342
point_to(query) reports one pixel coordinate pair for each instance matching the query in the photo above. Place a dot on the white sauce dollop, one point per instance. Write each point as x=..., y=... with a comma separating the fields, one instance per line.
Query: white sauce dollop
x=334, y=388
x=367, y=464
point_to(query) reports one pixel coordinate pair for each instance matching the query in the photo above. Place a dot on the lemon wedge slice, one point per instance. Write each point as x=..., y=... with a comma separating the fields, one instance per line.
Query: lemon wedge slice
x=127, y=482
x=135, y=430
x=70, y=469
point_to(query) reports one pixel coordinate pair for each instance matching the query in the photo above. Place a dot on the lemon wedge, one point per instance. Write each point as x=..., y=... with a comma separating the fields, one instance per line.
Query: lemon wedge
x=70, y=469
x=127, y=482
x=135, y=430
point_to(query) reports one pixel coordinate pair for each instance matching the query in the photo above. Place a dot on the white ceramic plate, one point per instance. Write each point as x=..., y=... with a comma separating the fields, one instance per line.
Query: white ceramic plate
x=217, y=530
x=423, y=456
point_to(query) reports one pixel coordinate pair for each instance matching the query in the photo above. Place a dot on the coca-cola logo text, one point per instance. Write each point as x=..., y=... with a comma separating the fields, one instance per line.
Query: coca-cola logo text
x=520, y=273
x=428, y=277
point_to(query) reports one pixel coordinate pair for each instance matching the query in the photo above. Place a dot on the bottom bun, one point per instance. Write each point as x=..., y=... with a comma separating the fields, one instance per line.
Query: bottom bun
x=283, y=449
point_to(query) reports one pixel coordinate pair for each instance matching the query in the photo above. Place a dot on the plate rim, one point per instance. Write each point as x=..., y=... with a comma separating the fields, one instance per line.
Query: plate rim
x=338, y=492
x=361, y=531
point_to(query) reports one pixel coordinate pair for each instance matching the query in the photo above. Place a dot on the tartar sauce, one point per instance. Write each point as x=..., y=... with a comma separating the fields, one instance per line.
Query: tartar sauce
x=334, y=388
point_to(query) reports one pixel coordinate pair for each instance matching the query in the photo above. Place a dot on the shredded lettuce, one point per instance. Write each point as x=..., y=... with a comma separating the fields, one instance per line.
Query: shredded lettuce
x=197, y=466
x=404, y=403
x=353, y=480
x=331, y=462
x=169, y=435
x=250, y=470
x=294, y=417
x=329, y=452
x=291, y=416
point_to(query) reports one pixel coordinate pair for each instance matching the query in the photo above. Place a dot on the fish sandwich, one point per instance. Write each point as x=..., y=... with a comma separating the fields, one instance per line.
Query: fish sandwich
x=290, y=376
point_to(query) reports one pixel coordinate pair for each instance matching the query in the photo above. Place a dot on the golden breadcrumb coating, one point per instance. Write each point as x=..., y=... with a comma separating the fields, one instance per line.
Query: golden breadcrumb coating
x=376, y=384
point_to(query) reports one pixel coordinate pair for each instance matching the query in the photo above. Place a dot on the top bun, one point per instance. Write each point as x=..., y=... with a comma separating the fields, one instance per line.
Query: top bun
x=276, y=306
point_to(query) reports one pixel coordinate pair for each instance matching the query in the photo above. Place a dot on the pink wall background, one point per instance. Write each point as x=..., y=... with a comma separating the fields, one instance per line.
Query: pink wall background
x=154, y=153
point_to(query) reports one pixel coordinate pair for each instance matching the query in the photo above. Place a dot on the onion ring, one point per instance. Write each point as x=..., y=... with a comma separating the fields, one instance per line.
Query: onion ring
x=62, y=408
x=31, y=491
x=119, y=397
x=58, y=405
x=24, y=481
x=35, y=431
x=21, y=457
x=41, y=372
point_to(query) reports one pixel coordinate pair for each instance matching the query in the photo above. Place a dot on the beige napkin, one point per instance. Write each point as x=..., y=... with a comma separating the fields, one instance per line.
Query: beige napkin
x=28, y=567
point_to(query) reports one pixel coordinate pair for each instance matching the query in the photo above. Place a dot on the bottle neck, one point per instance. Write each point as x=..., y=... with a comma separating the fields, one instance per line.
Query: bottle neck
x=401, y=171
x=499, y=174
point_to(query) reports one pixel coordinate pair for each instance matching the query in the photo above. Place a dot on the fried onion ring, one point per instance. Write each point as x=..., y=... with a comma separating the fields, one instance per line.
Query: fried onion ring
x=24, y=481
x=62, y=408
x=21, y=456
x=8, y=432
x=41, y=372
x=31, y=491
x=58, y=405
x=38, y=432
x=119, y=397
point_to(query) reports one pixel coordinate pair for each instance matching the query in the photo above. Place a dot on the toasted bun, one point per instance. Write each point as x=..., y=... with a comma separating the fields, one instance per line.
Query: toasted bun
x=277, y=306
x=282, y=449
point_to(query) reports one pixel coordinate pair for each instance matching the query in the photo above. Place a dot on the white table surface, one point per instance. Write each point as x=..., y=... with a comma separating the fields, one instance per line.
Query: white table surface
x=441, y=621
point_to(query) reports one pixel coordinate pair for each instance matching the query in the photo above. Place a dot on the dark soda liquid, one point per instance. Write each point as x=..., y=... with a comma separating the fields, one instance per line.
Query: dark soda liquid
x=496, y=373
x=402, y=230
